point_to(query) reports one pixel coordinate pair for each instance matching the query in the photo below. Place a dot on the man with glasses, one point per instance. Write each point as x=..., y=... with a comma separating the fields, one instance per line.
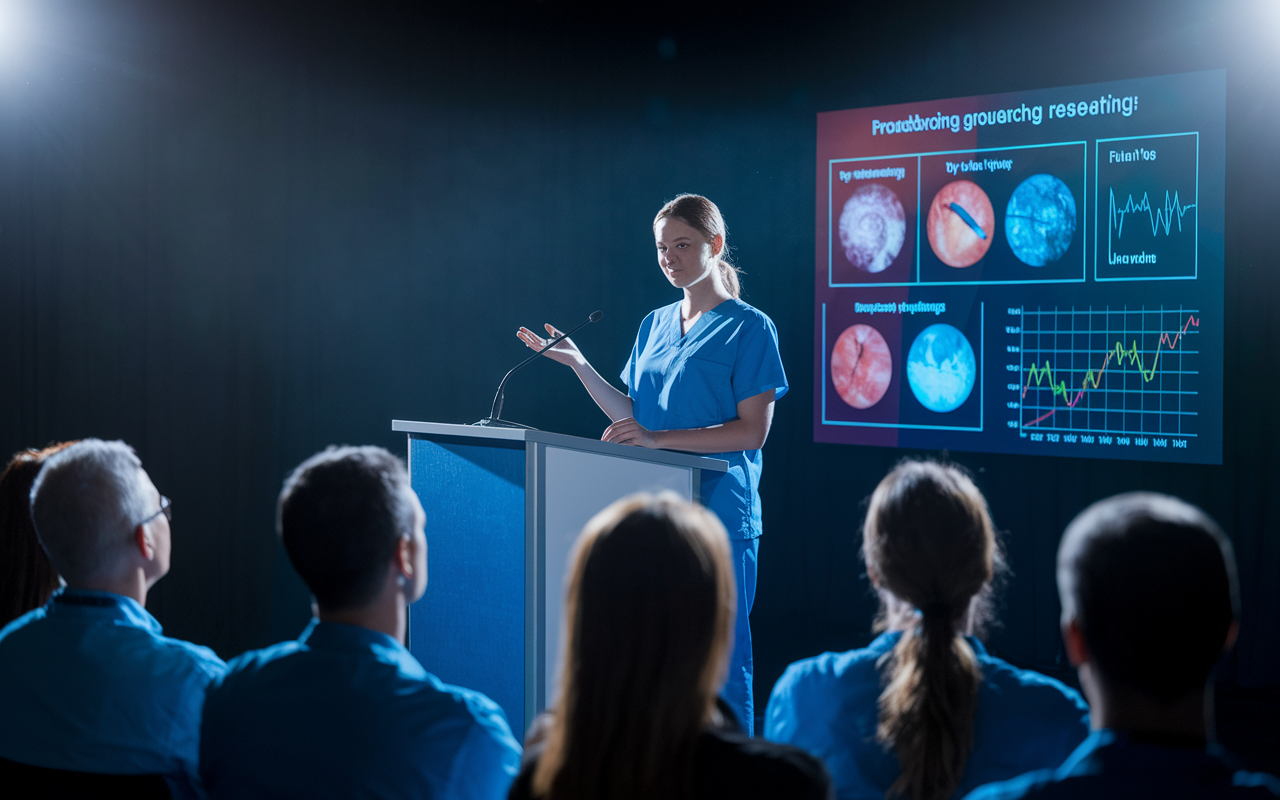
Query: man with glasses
x=87, y=683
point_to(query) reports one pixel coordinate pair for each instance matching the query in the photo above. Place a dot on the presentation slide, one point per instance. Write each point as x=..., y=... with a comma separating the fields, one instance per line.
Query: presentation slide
x=1035, y=272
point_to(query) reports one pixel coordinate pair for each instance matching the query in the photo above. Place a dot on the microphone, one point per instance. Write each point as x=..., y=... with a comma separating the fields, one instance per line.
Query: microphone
x=494, y=419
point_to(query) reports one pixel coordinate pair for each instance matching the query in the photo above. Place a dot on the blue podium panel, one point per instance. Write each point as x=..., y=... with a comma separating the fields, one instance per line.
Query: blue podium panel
x=469, y=627
x=504, y=507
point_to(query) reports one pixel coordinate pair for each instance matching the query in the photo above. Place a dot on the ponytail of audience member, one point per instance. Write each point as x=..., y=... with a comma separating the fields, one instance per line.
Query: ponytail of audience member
x=28, y=579
x=946, y=715
x=649, y=619
x=929, y=543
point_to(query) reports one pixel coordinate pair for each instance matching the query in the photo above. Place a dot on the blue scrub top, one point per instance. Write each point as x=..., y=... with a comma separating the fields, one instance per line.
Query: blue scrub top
x=1115, y=764
x=349, y=712
x=678, y=381
x=828, y=705
x=89, y=684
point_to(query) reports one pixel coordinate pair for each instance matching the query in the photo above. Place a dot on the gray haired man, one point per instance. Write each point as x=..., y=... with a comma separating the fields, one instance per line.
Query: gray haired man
x=88, y=683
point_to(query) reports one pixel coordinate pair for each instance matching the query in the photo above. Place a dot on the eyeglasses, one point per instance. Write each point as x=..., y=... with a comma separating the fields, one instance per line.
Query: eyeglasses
x=166, y=508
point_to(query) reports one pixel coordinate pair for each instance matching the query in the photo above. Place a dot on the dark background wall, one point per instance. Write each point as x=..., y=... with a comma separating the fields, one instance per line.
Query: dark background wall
x=233, y=234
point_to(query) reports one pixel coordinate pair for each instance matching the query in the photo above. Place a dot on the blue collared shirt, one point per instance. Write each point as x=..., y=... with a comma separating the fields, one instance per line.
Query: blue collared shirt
x=828, y=706
x=1115, y=764
x=88, y=683
x=678, y=381
x=348, y=712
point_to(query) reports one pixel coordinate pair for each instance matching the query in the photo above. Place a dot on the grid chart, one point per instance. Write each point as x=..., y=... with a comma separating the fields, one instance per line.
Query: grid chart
x=1111, y=371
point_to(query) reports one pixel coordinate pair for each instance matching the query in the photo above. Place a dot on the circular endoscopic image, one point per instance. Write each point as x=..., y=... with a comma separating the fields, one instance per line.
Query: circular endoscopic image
x=961, y=224
x=941, y=368
x=873, y=227
x=1040, y=220
x=861, y=366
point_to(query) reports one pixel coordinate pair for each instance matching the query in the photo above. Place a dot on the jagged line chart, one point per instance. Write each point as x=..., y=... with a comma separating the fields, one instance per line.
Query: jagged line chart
x=1161, y=219
x=1112, y=371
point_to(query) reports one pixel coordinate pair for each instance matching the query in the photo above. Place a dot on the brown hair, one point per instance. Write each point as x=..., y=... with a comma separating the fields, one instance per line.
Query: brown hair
x=28, y=577
x=649, y=610
x=341, y=515
x=928, y=540
x=704, y=216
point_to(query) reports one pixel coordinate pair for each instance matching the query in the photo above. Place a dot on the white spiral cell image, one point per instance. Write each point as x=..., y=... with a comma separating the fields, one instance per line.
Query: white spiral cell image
x=873, y=227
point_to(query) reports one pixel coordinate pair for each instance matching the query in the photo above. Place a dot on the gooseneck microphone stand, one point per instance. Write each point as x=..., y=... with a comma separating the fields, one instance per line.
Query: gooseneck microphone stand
x=494, y=420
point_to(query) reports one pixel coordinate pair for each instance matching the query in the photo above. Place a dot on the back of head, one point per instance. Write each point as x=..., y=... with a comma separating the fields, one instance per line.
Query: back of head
x=27, y=578
x=1151, y=582
x=85, y=503
x=649, y=616
x=928, y=540
x=340, y=516
x=704, y=216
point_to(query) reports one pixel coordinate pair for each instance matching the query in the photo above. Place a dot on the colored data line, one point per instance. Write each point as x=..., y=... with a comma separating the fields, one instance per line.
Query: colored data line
x=1160, y=218
x=1094, y=380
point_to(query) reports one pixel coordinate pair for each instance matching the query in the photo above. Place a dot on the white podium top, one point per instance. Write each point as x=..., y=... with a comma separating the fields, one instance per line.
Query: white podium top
x=671, y=457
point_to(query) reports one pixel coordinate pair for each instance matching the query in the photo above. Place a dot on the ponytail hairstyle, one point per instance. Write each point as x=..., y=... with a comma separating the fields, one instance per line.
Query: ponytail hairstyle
x=649, y=610
x=929, y=544
x=704, y=217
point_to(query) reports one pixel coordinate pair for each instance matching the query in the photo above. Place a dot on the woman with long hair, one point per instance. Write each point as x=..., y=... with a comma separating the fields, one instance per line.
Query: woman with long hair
x=923, y=712
x=649, y=614
x=27, y=579
x=703, y=376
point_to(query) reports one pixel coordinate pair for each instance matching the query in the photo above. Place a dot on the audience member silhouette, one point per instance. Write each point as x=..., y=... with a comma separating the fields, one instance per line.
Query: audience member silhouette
x=924, y=712
x=27, y=579
x=87, y=683
x=649, y=618
x=346, y=710
x=1149, y=605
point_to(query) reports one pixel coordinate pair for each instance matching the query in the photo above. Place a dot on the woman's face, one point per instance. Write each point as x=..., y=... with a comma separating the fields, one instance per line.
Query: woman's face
x=685, y=255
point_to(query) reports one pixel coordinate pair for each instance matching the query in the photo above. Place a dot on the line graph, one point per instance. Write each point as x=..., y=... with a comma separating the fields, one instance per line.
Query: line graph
x=1160, y=218
x=1125, y=371
x=1148, y=189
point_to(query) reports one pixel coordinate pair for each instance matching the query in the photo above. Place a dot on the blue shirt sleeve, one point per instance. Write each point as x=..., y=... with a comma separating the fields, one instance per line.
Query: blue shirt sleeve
x=758, y=367
x=779, y=716
x=629, y=371
x=1014, y=788
x=489, y=758
x=185, y=737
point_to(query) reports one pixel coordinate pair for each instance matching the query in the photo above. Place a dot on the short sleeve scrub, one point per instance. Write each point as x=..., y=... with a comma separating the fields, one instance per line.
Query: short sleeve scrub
x=678, y=381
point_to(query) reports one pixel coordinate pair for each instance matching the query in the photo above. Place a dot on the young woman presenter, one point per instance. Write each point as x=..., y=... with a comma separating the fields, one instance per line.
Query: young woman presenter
x=703, y=377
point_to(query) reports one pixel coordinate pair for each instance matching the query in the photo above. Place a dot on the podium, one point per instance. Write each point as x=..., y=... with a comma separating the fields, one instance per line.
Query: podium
x=504, y=507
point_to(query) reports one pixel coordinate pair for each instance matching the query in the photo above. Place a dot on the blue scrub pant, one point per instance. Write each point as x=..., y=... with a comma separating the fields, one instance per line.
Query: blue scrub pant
x=737, y=689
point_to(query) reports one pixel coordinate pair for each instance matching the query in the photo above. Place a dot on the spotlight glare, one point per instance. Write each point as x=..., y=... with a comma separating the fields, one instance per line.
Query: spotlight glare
x=12, y=24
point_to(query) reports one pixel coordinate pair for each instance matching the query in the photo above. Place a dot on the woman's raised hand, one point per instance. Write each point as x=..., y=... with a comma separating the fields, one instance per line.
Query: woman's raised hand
x=565, y=351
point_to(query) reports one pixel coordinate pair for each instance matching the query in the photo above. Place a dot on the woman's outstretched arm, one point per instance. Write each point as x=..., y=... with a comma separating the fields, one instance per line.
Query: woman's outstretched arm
x=611, y=401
